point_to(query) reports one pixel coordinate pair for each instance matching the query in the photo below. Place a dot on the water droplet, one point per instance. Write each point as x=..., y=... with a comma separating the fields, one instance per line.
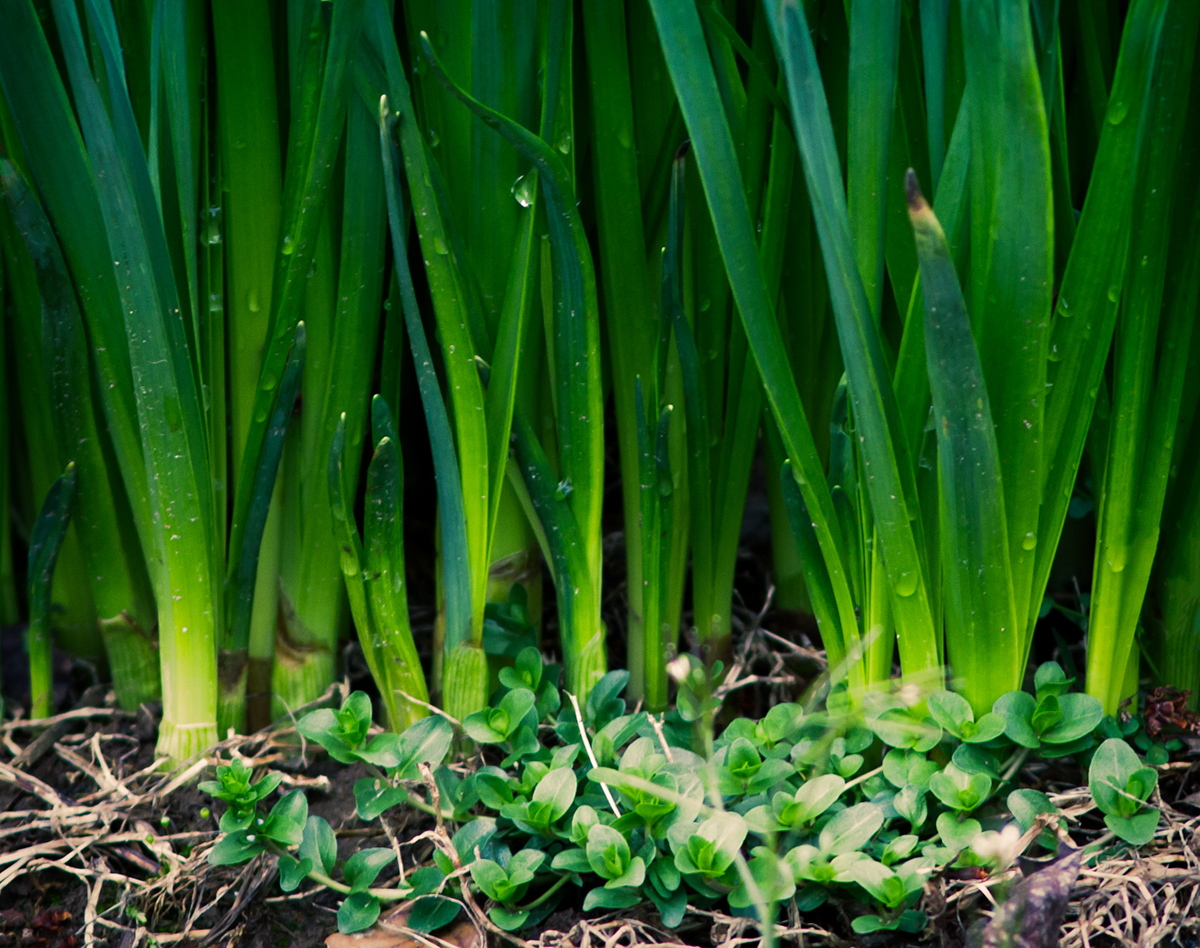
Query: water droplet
x=523, y=189
x=252, y=300
x=1114, y=293
x=1028, y=542
x=1054, y=355
x=439, y=244
x=705, y=304
x=563, y=489
x=1117, y=112
x=212, y=234
x=434, y=139
x=289, y=245
x=215, y=303
x=269, y=381
x=906, y=584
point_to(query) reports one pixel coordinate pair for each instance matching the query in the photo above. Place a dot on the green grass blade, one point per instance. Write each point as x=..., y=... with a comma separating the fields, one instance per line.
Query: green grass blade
x=454, y=316
x=631, y=323
x=315, y=137
x=66, y=185
x=173, y=430
x=1087, y=305
x=874, y=52
x=935, y=17
x=1151, y=346
x=511, y=339
x=250, y=185
x=1012, y=258
x=8, y=584
x=716, y=159
x=383, y=537
x=244, y=571
x=111, y=558
x=576, y=330
x=244, y=563
x=455, y=553
x=891, y=484
x=49, y=531
x=983, y=649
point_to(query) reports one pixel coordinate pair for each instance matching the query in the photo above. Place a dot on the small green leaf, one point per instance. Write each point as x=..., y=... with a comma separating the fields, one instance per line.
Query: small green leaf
x=319, y=844
x=432, y=912
x=292, y=872
x=611, y=898
x=850, y=829
x=358, y=911
x=285, y=823
x=1080, y=715
x=491, y=879
x=951, y=711
x=364, y=866
x=957, y=834
x=1050, y=679
x=1136, y=830
x=235, y=848
x=607, y=852
x=508, y=920
x=1017, y=707
x=425, y=742
x=373, y=796
x=558, y=789
x=571, y=860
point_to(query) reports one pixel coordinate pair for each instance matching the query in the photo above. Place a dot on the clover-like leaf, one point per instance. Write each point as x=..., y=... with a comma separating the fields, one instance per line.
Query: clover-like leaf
x=364, y=866
x=319, y=845
x=234, y=848
x=1080, y=715
x=957, y=834
x=898, y=727
x=850, y=829
x=293, y=871
x=1017, y=708
x=557, y=789
x=373, y=796
x=607, y=852
x=960, y=790
x=1050, y=679
x=432, y=912
x=1120, y=784
x=358, y=911
x=427, y=741
x=285, y=822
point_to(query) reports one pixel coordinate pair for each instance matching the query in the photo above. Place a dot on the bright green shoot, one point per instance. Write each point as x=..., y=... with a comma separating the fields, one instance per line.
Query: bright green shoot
x=373, y=567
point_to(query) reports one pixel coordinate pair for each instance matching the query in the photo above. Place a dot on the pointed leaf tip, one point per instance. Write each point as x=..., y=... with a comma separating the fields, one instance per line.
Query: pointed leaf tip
x=912, y=191
x=684, y=147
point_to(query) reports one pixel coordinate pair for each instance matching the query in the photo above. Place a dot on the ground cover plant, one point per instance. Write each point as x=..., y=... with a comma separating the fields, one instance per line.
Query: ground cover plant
x=263, y=263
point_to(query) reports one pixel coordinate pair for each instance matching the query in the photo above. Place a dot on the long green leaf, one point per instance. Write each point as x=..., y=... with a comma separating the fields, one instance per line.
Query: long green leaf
x=173, y=430
x=890, y=479
x=455, y=552
x=984, y=651
x=695, y=84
